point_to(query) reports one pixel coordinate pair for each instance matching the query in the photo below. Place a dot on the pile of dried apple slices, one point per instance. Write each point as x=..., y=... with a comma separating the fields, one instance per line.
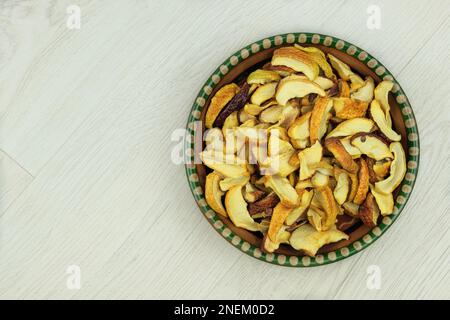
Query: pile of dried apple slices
x=301, y=141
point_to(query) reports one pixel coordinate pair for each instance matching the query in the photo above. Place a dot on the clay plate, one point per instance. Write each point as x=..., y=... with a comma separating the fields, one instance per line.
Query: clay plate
x=237, y=67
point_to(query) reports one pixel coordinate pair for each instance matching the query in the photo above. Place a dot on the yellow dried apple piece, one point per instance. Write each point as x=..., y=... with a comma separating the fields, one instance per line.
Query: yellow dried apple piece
x=237, y=210
x=264, y=93
x=279, y=215
x=324, y=196
x=384, y=201
x=380, y=119
x=307, y=157
x=296, y=59
x=227, y=170
x=351, y=209
x=319, y=179
x=342, y=188
x=213, y=194
x=352, y=150
x=382, y=96
x=346, y=73
x=219, y=101
x=371, y=145
x=351, y=127
x=381, y=169
x=365, y=93
x=262, y=77
x=230, y=122
x=281, y=186
x=299, y=212
x=334, y=145
x=310, y=240
x=397, y=170
x=347, y=108
x=282, y=237
x=299, y=129
x=228, y=183
x=296, y=87
x=319, y=57
x=319, y=119
x=363, y=182
x=271, y=114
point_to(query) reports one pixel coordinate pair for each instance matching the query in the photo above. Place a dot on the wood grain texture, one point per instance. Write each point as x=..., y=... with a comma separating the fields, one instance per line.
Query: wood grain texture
x=86, y=118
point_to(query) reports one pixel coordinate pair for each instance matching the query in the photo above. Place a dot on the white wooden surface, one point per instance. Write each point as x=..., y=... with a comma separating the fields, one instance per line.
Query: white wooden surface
x=86, y=178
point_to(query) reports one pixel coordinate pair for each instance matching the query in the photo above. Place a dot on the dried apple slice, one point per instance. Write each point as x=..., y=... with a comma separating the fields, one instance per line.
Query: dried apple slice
x=363, y=182
x=371, y=145
x=270, y=246
x=288, y=115
x=319, y=117
x=281, y=186
x=299, y=129
x=381, y=169
x=351, y=127
x=310, y=240
x=324, y=83
x=334, y=145
x=382, y=96
x=307, y=157
x=342, y=188
x=279, y=215
x=347, y=108
x=281, y=70
x=351, y=209
x=319, y=57
x=319, y=180
x=380, y=119
x=262, y=77
x=369, y=212
x=213, y=194
x=254, y=109
x=346, y=73
x=300, y=211
x=281, y=164
x=237, y=210
x=219, y=101
x=278, y=146
x=227, y=170
x=365, y=93
x=353, y=185
x=296, y=59
x=264, y=93
x=230, y=122
x=384, y=201
x=271, y=114
x=235, y=104
x=352, y=150
x=327, y=202
x=228, y=183
x=296, y=87
x=397, y=170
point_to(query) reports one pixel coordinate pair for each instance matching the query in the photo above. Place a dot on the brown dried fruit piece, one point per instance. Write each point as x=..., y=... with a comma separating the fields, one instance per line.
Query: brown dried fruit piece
x=269, y=201
x=335, y=146
x=369, y=212
x=363, y=182
x=235, y=104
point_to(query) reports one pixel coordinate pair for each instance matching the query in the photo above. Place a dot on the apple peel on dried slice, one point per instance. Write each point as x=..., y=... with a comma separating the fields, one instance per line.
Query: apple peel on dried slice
x=309, y=240
x=379, y=117
x=319, y=57
x=369, y=212
x=279, y=215
x=237, y=210
x=297, y=60
x=397, y=170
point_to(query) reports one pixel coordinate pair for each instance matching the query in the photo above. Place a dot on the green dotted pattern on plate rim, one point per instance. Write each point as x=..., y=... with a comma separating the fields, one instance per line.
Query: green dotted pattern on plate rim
x=405, y=188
